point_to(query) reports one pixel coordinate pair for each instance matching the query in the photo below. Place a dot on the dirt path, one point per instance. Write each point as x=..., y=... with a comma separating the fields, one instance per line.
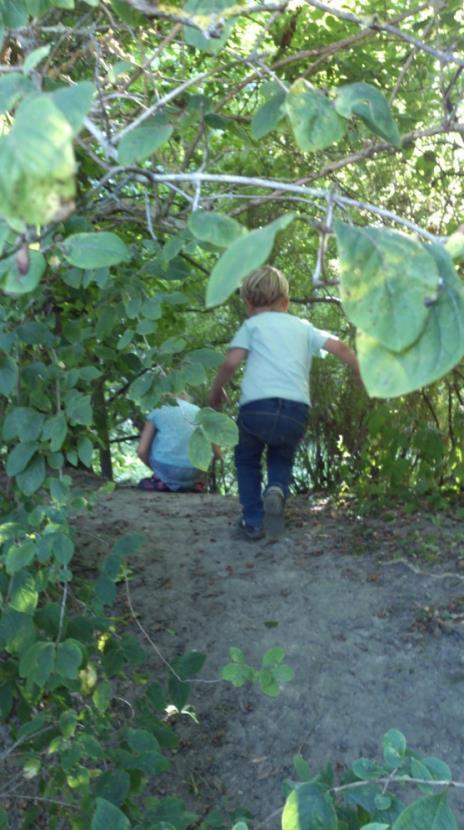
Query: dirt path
x=367, y=610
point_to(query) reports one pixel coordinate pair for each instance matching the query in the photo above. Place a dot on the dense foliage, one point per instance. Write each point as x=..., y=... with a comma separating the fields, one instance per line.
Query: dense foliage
x=150, y=157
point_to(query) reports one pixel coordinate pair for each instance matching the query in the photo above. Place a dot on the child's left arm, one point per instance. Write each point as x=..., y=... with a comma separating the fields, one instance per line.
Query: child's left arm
x=341, y=350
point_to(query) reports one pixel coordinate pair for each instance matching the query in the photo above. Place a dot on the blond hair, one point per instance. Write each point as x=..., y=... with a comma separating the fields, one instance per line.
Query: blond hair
x=264, y=287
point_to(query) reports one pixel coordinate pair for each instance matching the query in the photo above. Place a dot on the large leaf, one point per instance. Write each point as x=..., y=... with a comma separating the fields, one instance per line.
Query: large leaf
x=8, y=374
x=36, y=663
x=14, y=282
x=142, y=142
x=313, y=119
x=219, y=428
x=199, y=450
x=207, y=13
x=13, y=14
x=30, y=479
x=19, y=457
x=440, y=346
x=95, y=250
x=42, y=138
x=309, y=807
x=68, y=659
x=216, y=228
x=370, y=105
x=108, y=815
x=429, y=813
x=241, y=258
x=268, y=116
x=13, y=87
x=22, y=421
x=38, y=164
x=74, y=102
x=387, y=283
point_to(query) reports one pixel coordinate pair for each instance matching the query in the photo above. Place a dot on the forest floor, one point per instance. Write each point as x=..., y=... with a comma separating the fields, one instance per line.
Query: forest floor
x=369, y=610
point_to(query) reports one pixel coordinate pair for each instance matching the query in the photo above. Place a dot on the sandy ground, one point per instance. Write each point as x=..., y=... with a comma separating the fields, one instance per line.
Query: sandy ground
x=368, y=610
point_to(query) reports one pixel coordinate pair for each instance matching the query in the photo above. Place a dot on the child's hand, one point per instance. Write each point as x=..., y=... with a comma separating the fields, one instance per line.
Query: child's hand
x=218, y=398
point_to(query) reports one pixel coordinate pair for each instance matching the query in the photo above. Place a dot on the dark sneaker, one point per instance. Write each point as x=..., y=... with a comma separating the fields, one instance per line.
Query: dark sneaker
x=251, y=533
x=274, y=502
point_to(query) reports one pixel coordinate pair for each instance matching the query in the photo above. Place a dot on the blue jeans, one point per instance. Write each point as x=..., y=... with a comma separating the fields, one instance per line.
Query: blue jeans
x=279, y=425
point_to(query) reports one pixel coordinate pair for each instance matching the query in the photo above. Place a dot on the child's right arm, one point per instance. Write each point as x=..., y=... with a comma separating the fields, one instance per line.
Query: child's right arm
x=341, y=350
x=217, y=396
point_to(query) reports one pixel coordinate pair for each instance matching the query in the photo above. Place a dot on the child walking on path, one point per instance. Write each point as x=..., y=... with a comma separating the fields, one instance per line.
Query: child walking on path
x=274, y=403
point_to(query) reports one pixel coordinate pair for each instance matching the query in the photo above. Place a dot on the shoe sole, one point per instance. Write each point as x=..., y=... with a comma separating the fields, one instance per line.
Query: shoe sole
x=274, y=523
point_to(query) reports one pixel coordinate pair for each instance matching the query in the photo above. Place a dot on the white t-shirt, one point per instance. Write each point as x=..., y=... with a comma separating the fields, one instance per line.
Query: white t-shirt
x=280, y=352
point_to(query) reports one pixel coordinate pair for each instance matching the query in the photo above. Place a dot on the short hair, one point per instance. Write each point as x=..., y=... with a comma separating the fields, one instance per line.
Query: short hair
x=265, y=286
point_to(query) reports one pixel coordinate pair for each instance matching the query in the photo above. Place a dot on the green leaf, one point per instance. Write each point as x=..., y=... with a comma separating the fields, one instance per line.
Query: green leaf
x=39, y=133
x=440, y=346
x=68, y=723
x=14, y=282
x=215, y=228
x=236, y=654
x=268, y=683
x=141, y=142
x=241, y=258
x=113, y=786
x=128, y=543
x=19, y=457
x=8, y=374
x=19, y=556
x=36, y=663
x=365, y=769
x=208, y=12
x=95, y=250
x=30, y=479
x=309, y=807
x=105, y=589
x=200, y=451
x=387, y=283
x=301, y=767
x=219, y=428
x=189, y=664
x=78, y=408
x=371, y=106
x=108, y=815
x=268, y=116
x=22, y=420
x=102, y=696
x=14, y=14
x=237, y=673
x=140, y=740
x=394, y=748
x=179, y=692
x=312, y=116
x=375, y=825
x=69, y=658
x=13, y=87
x=283, y=674
x=273, y=655
x=55, y=430
x=23, y=593
x=74, y=102
x=431, y=812
x=37, y=155
x=35, y=57
x=62, y=548
x=85, y=450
